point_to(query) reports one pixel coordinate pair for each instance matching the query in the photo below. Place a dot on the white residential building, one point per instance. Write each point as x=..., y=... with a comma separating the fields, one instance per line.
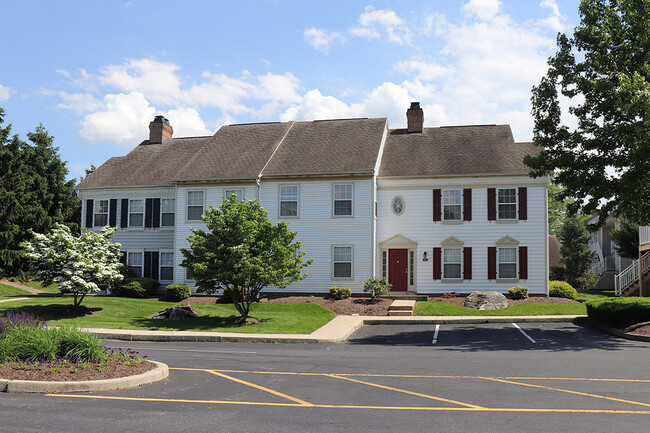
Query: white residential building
x=447, y=209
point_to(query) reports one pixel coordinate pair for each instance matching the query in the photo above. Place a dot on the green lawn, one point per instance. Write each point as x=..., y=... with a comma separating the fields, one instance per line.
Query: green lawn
x=11, y=291
x=124, y=313
x=430, y=308
x=588, y=295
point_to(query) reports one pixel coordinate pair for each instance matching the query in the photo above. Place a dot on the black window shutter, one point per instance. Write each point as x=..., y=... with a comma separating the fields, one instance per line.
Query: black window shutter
x=467, y=205
x=467, y=263
x=147, y=264
x=523, y=203
x=148, y=213
x=124, y=216
x=154, y=264
x=437, y=205
x=112, y=213
x=156, y=213
x=123, y=258
x=89, y=214
x=492, y=204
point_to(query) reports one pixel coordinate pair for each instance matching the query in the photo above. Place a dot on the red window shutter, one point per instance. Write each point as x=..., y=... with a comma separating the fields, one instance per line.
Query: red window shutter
x=467, y=263
x=492, y=263
x=523, y=263
x=523, y=203
x=437, y=205
x=437, y=263
x=492, y=204
x=467, y=204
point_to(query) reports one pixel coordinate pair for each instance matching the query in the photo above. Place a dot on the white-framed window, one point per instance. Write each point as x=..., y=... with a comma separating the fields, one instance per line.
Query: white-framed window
x=384, y=264
x=195, y=203
x=452, y=204
x=398, y=205
x=101, y=213
x=289, y=200
x=507, y=203
x=136, y=213
x=167, y=212
x=452, y=263
x=166, y=266
x=188, y=274
x=342, y=261
x=342, y=196
x=134, y=261
x=238, y=192
x=507, y=262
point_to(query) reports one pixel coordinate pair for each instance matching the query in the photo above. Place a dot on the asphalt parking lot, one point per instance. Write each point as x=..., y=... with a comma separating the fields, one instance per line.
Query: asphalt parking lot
x=488, y=377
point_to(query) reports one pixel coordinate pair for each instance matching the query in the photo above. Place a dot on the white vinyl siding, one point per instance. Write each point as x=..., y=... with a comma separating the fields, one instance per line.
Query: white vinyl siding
x=342, y=261
x=136, y=213
x=195, y=204
x=507, y=203
x=167, y=212
x=289, y=199
x=101, y=213
x=343, y=199
x=452, y=204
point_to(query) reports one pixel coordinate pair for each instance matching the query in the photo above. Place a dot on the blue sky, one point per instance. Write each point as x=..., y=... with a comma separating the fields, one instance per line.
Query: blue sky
x=96, y=73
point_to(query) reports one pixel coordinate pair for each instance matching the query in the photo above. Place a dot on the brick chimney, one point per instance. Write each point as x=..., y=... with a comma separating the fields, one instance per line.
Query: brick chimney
x=160, y=130
x=414, y=118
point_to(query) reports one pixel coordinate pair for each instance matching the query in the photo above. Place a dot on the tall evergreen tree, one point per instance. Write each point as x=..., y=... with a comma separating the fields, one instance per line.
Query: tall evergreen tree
x=34, y=193
x=626, y=237
x=577, y=258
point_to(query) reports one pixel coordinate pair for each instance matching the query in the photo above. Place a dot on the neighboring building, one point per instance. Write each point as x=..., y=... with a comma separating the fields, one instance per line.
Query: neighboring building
x=635, y=279
x=607, y=262
x=446, y=209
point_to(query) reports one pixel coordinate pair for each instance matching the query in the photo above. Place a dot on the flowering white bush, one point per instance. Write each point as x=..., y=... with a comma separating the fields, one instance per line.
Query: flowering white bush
x=77, y=264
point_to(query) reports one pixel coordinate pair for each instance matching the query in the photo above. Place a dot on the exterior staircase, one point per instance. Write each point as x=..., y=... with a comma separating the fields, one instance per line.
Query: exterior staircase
x=627, y=282
x=401, y=307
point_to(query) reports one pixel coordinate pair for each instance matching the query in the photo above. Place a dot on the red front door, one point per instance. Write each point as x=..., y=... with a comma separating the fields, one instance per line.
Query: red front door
x=398, y=269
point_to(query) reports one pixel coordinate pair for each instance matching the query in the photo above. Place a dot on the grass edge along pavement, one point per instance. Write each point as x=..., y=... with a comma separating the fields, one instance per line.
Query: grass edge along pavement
x=129, y=313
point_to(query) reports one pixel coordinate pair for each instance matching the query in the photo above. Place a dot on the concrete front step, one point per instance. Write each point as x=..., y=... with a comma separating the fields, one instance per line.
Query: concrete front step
x=401, y=307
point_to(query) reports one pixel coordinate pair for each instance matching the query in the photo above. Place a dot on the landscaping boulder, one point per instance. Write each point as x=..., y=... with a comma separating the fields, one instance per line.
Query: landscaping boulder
x=177, y=312
x=485, y=301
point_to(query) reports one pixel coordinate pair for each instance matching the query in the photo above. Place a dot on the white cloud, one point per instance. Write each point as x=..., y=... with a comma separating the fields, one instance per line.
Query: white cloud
x=5, y=92
x=321, y=40
x=281, y=88
x=158, y=81
x=422, y=70
x=186, y=122
x=555, y=21
x=80, y=102
x=483, y=9
x=316, y=106
x=373, y=22
x=123, y=120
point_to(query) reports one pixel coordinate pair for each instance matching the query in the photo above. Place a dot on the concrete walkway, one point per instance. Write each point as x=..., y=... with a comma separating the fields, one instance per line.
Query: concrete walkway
x=337, y=330
x=24, y=287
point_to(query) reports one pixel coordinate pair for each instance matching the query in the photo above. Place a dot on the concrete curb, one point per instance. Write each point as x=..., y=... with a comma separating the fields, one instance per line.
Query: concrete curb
x=159, y=373
x=337, y=330
x=617, y=333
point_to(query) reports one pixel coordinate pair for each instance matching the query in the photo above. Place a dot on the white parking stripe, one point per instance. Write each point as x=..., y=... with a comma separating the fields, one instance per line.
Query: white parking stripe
x=435, y=335
x=524, y=332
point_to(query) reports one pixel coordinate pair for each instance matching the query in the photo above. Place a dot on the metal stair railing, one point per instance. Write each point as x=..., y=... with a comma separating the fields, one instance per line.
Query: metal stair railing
x=630, y=275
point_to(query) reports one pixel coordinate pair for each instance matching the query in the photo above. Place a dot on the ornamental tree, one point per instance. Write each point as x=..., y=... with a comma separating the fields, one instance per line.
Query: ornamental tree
x=592, y=111
x=577, y=258
x=241, y=252
x=78, y=265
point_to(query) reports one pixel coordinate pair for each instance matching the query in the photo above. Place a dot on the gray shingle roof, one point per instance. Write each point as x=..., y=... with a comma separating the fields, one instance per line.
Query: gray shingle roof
x=454, y=151
x=339, y=147
x=146, y=165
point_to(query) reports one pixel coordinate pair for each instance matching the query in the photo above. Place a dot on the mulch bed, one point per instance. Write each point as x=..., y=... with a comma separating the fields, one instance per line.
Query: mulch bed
x=642, y=329
x=363, y=306
x=110, y=371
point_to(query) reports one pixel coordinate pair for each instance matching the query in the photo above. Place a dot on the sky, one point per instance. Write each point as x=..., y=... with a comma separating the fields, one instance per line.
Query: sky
x=96, y=73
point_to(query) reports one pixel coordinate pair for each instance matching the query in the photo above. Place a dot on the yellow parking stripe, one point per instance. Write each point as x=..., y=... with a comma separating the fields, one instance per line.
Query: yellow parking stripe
x=407, y=392
x=415, y=376
x=566, y=390
x=279, y=394
x=332, y=406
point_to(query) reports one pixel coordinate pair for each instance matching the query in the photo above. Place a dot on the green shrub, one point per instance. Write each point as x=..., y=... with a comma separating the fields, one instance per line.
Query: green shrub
x=148, y=284
x=337, y=292
x=178, y=292
x=24, y=343
x=132, y=289
x=377, y=286
x=518, y=292
x=619, y=312
x=561, y=289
